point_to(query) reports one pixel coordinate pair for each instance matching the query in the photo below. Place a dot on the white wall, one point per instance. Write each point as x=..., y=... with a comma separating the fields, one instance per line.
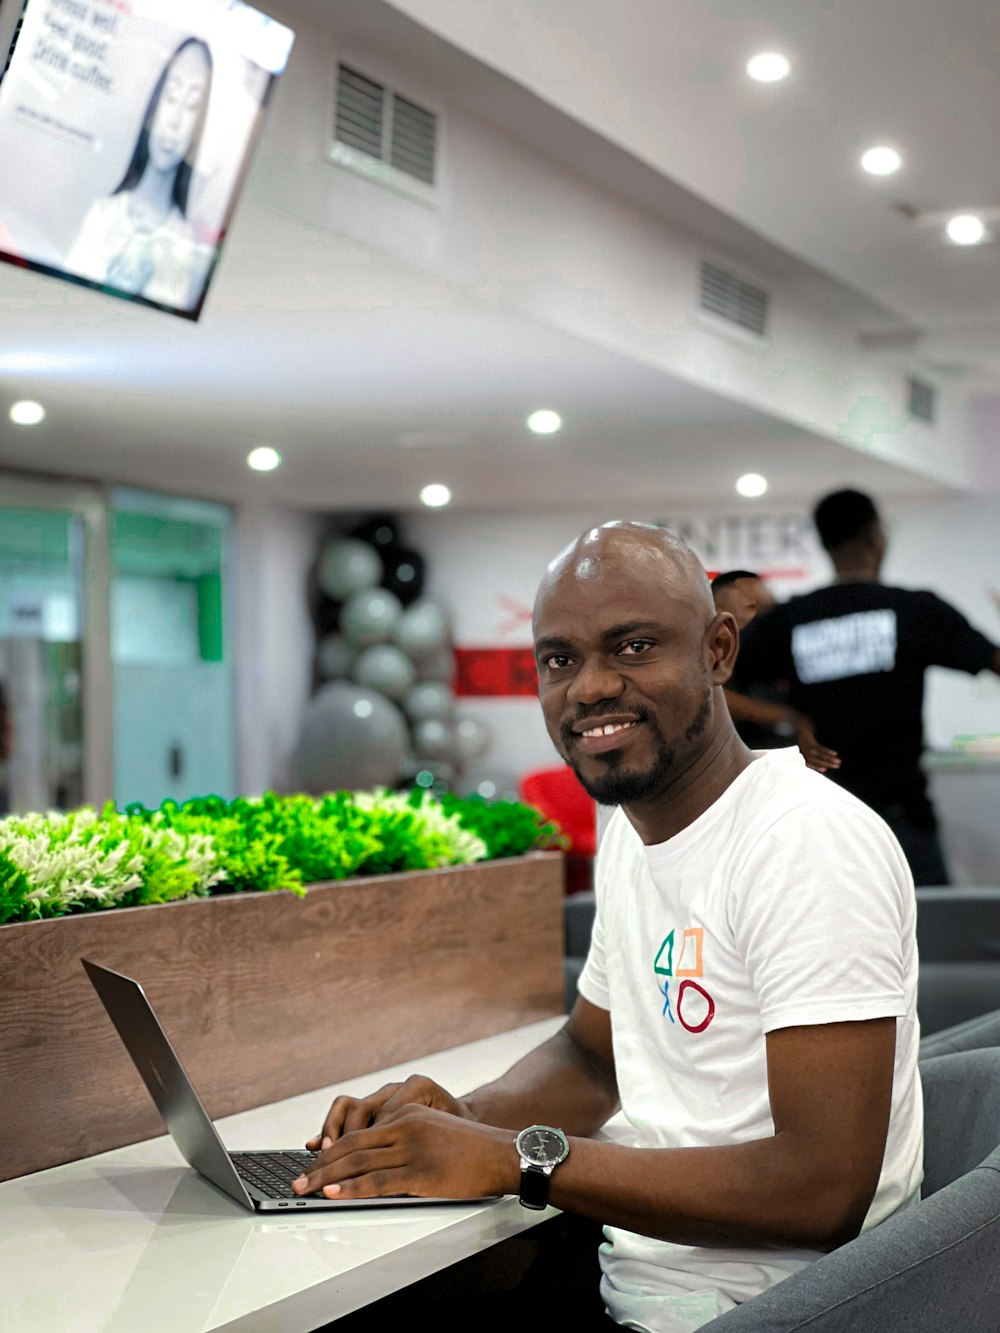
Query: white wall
x=952, y=547
x=274, y=638
x=485, y=567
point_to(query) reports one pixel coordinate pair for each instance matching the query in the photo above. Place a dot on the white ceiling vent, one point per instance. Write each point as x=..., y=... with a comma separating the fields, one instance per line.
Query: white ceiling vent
x=727, y=297
x=921, y=400
x=382, y=134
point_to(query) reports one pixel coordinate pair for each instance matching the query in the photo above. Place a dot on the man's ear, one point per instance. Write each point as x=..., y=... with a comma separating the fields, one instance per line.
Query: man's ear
x=722, y=643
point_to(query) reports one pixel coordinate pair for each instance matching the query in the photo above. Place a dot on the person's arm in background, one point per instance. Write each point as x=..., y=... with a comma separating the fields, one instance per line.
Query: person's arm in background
x=763, y=712
x=763, y=659
x=945, y=638
x=766, y=713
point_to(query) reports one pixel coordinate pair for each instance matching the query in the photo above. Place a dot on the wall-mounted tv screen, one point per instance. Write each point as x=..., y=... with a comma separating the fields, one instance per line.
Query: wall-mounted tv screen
x=126, y=130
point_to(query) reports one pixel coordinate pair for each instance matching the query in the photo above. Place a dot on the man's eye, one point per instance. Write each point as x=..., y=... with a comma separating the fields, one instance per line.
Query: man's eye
x=557, y=661
x=635, y=646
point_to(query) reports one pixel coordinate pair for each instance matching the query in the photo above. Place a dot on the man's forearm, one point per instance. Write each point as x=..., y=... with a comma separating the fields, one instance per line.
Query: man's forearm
x=764, y=1192
x=559, y=1083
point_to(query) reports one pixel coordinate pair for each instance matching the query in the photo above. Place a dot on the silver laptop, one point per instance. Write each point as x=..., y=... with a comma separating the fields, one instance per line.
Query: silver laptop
x=261, y=1180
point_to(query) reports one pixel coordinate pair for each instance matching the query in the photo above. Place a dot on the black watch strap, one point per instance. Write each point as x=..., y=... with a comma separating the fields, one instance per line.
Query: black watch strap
x=534, y=1187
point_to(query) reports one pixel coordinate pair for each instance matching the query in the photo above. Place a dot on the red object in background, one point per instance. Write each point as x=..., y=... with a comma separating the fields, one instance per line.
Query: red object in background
x=495, y=672
x=557, y=793
x=559, y=796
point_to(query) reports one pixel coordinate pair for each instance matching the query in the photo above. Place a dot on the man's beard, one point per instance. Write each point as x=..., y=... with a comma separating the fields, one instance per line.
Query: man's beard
x=624, y=786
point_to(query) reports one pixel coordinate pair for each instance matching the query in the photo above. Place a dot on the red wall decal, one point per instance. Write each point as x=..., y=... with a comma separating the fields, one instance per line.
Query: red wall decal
x=495, y=672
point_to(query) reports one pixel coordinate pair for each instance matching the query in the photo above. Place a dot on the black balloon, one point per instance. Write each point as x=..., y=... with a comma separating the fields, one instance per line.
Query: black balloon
x=403, y=573
x=326, y=615
x=380, y=531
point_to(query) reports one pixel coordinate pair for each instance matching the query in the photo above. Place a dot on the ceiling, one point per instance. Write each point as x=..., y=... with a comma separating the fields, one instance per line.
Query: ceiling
x=373, y=379
x=783, y=159
x=399, y=379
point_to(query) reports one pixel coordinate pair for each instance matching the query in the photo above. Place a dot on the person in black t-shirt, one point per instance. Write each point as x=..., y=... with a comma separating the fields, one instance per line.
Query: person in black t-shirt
x=854, y=655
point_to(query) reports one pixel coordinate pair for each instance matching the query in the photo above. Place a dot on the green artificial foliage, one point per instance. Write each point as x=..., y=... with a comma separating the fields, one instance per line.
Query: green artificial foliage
x=248, y=851
x=414, y=832
x=508, y=828
x=14, y=889
x=85, y=860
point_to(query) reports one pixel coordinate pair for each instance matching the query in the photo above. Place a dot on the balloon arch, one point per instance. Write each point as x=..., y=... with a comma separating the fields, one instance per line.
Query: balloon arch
x=383, y=712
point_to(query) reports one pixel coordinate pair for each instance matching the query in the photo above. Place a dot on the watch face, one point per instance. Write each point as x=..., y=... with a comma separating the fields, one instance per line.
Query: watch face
x=542, y=1146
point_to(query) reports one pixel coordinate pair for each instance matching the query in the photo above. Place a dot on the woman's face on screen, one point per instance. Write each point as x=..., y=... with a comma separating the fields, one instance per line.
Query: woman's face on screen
x=179, y=109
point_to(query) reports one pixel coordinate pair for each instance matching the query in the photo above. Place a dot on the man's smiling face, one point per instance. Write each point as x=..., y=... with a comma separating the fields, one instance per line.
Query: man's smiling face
x=625, y=678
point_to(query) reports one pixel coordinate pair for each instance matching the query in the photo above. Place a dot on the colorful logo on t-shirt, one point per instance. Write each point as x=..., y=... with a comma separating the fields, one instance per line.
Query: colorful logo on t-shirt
x=679, y=960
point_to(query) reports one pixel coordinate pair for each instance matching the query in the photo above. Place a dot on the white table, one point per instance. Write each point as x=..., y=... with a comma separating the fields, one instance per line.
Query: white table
x=133, y=1241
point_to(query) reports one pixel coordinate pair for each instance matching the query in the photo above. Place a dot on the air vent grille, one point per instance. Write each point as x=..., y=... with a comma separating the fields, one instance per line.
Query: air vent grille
x=360, y=104
x=921, y=400
x=730, y=298
x=413, y=141
x=373, y=120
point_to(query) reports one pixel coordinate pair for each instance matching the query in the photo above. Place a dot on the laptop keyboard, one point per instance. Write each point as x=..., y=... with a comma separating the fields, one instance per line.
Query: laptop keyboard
x=272, y=1173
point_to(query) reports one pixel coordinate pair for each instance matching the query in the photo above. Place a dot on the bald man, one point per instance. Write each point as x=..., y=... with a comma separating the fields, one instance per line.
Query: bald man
x=748, y=1001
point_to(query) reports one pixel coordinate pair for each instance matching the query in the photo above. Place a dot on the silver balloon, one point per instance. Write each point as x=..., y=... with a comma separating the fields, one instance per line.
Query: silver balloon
x=383, y=667
x=346, y=566
x=429, y=698
x=423, y=629
x=350, y=739
x=472, y=738
x=334, y=657
x=439, y=665
x=370, y=617
x=434, y=739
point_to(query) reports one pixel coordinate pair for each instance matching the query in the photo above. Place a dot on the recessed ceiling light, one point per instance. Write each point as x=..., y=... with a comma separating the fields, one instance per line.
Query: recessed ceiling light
x=27, y=413
x=435, y=495
x=965, y=229
x=751, y=484
x=768, y=67
x=881, y=160
x=545, y=422
x=264, y=459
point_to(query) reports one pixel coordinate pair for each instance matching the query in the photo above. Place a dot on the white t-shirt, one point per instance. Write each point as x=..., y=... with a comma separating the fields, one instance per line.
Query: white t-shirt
x=787, y=903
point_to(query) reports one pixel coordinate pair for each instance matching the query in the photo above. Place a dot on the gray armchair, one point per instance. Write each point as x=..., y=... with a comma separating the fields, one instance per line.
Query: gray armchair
x=975, y=1035
x=931, y=1268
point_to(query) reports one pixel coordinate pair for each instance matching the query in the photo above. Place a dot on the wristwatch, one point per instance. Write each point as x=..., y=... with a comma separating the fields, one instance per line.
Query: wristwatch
x=542, y=1148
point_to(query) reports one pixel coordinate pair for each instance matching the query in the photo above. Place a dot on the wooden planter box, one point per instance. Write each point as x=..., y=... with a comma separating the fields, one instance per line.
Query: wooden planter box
x=267, y=995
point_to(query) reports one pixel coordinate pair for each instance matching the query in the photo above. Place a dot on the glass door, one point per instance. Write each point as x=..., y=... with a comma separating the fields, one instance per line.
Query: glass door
x=54, y=681
x=174, y=705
